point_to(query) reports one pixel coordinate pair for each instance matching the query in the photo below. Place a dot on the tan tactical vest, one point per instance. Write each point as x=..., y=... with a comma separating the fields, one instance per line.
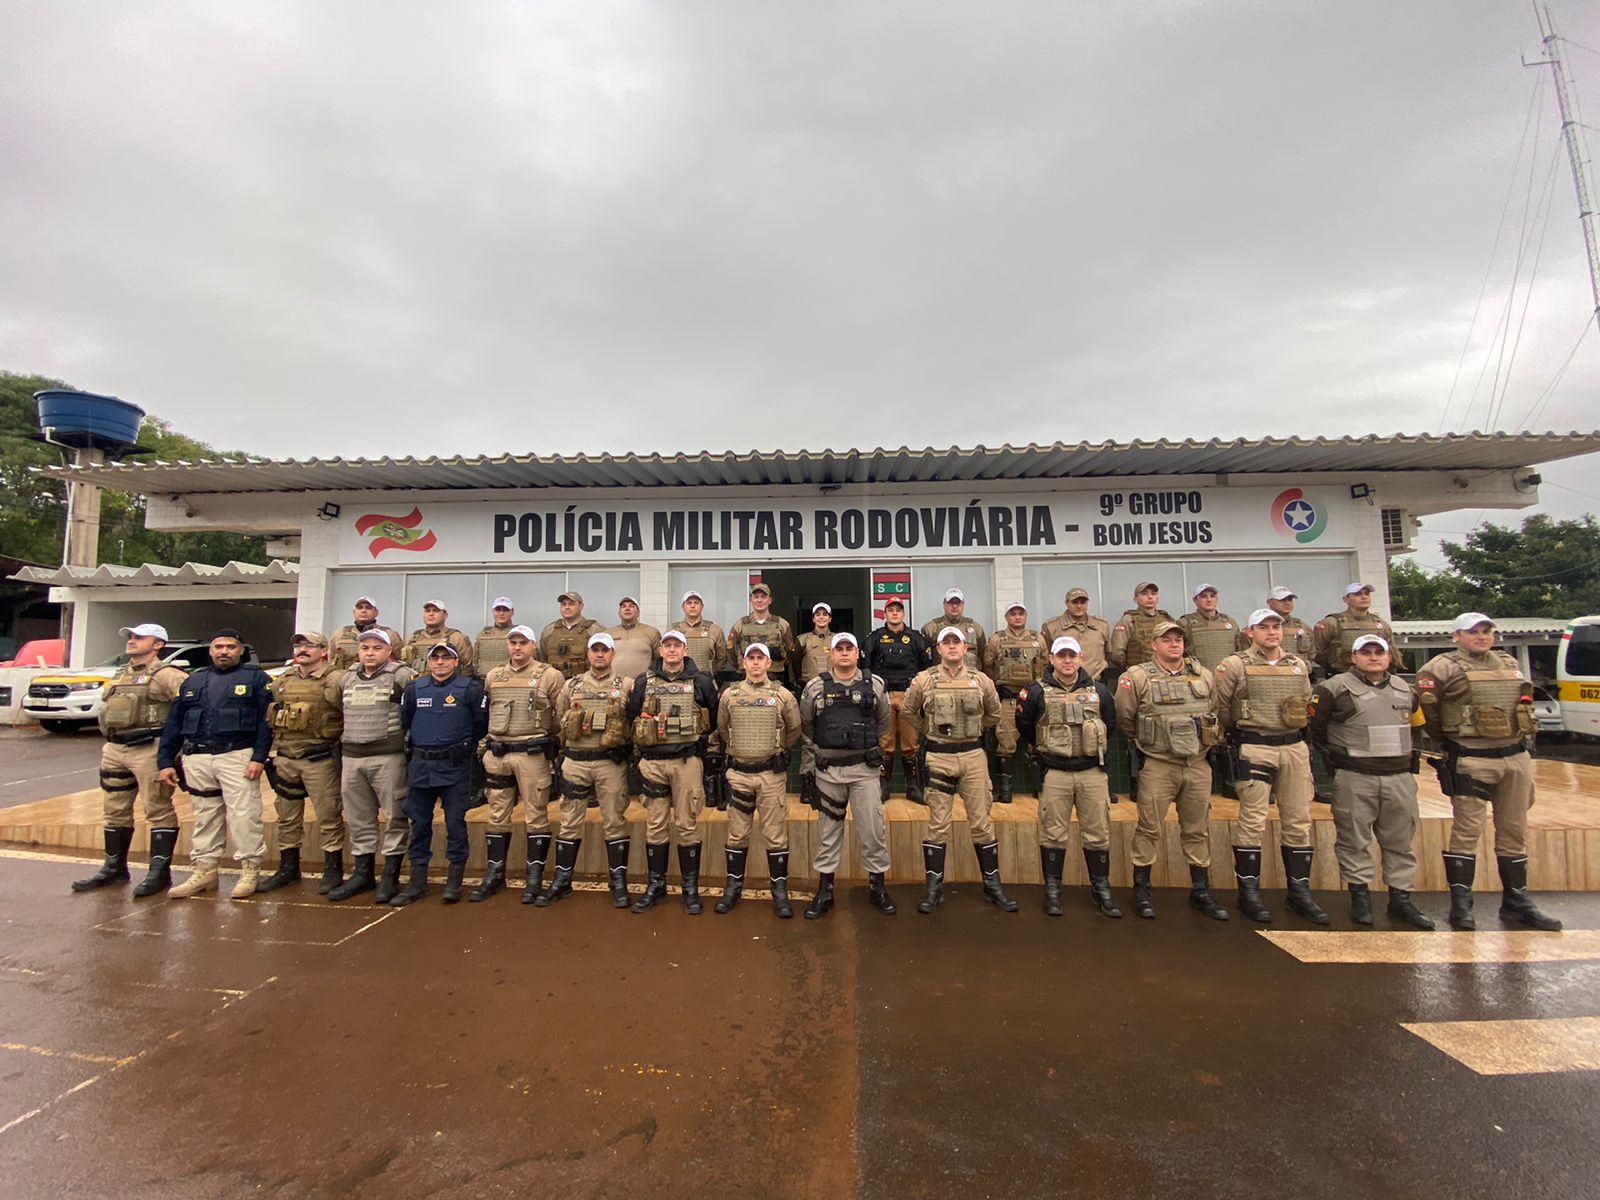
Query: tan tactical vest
x=344, y=644
x=1211, y=641
x=1016, y=658
x=1273, y=699
x=518, y=706
x=1297, y=637
x=1141, y=633
x=755, y=726
x=1498, y=705
x=300, y=714
x=1175, y=715
x=1073, y=725
x=128, y=708
x=969, y=630
x=1381, y=726
x=415, y=652
x=774, y=634
x=568, y=649
x=490, y=650
x=953, y=708
x=600, y=723
x=814, y=648
x=697, y=639
x=670, y=716
x=1349, y=627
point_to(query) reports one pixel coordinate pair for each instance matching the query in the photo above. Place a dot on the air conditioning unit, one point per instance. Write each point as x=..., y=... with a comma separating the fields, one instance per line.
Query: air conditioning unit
x=1399, y=531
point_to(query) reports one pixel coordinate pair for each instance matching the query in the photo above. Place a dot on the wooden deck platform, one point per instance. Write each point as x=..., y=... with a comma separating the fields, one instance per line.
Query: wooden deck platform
x=1563, y=842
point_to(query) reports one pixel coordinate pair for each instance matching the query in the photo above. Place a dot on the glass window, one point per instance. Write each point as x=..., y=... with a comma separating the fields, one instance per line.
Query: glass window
x=532, y=592
x=1120, y=578
x=386, y=588
x=930, y=581
x=1583, y=651
x=1241, y=586
x=1319, y=581
x=726, y=591
x=1045, y=587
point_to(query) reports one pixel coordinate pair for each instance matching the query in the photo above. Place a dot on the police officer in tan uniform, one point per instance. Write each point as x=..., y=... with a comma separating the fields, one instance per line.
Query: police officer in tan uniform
x=1164, y=710
x=1064, y=720
x=1297, y=635
x=1334, y=635
x=307, y=719
x=414, y=653
x=1212, y=634
x=564, y=643
x=954, y=617
x=758, y=723
x=523, y=697
x=372, y=769
x=815, y=646
x=1090, y=632
x=489, y=651
x=1362, y=722
x=1261, y=701
x=1135, y=629
x=673, y=707
x=635, y=642
x=897, y=654
x=594, y=754
x=344, y=641
x=132, y=715
x=1013, y=658
x=708, y=645
x=1478, y=709
x=762, y=625
x=952, y=705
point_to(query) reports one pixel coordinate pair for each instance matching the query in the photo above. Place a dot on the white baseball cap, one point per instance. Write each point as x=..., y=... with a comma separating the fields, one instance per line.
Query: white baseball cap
x=1262, y=615
x=956, y=594
x=1202, y=587
x=503, y=602
x=761, y=649
x=150, y=629
x=822, y=606
x=1356, y=589
x=1065, y=643
x=952, y=631
x=633, y=600
x=439, y=604
x=1368, y=639
x=840, y=639
x=691, y=594
x=603, y=639
x=1471, y=620
x=376, y=634
x=1283, y=593
x=675, y=635
x=364, y=600
x=1015, y=604
x=522, y=631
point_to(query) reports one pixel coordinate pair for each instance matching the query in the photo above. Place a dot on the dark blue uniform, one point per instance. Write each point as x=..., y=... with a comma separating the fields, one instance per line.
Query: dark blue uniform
x=217, y=712
x=443, y=722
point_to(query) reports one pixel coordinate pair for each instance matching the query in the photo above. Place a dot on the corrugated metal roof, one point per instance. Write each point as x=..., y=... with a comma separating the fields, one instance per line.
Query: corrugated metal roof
x=1518, y=626
x=1062, y=460
x=112, y=575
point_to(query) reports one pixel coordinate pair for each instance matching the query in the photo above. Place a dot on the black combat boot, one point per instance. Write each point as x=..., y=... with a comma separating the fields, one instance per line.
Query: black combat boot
x=1052, y=862
x=1361, y=903
x=163, y=843
x=655, y=888
x=416, y=887
x=933, y=868
x=913, y=780
x=1401, y=909
x=566, y=863
x=1002, y=784
x=884, y=772
x=878, y=894
x=115, y=867
x=617, y=871
x=538, y=853
x=778, y=873
x=1515, y=903
x=1459, y=871
x=360, y=880
x=1200, y=897
x=689, y=866
x=1141, y=893
x=389, y=882
x=735, y=888
x=1247, y=871
x=288, y=871
x=822, y=903
x=496, y=849
x=993, y=891
x=332, y=871
x=1098, y=863
x=1297, y=866
x=454, y=877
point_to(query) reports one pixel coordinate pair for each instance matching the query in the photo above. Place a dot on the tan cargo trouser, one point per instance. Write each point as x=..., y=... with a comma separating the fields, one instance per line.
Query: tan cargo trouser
x=1161, y=783
x=370, y=784
x=769, y=792
x=860, y=791
x=967, y=775
x=1510, y=784
x=677, y=812
x=320, y=779
x=1292, y=789
x=237, y=812
x=139, y=762
x=909, y=738
x=609, y=781
x=1381, y=805
x=1005, y=733
x=1090, y=792
x=531, y=770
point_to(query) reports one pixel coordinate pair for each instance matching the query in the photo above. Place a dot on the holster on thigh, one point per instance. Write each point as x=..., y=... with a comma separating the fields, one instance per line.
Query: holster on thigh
x=287, y=789
x=743, y=800
x=938, y=781
x=1468, y=785
x=115, y=779
x=499, y=782
x=1265, y=773
x=827, y=805
x=572, y=789
x=654, y=790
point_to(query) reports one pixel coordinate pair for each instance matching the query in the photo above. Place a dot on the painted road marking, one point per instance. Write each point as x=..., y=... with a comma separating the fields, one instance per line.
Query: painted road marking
x=1492, y=946
x=1516, y=1047
x=74, y=1055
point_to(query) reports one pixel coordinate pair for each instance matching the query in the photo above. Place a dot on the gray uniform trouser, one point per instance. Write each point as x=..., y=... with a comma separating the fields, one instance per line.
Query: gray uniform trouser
x=856, y=786
x=369, y=784
x=1384, y=806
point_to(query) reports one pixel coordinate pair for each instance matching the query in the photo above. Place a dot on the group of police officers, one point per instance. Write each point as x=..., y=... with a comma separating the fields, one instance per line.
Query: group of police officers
x=587, y=716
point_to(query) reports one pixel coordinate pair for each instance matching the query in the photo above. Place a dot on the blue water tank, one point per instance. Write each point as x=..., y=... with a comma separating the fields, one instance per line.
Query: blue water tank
x=83, y=419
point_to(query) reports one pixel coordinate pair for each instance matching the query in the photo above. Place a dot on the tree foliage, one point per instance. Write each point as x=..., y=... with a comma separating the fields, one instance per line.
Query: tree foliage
x=32, y=521
x=1548, y=568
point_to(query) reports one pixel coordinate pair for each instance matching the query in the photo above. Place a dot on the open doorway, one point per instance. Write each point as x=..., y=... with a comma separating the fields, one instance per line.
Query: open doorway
x=848, y=590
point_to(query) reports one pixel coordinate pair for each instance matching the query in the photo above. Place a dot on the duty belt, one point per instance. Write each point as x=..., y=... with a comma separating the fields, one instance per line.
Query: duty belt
x=617, y=755
x=457, y=754
x=758, y=766
x=373, y=749
x=1249, y=737
x=216, y=747
x=310, y=753
x=1054, y=762
x=136, y=737
x=953, y=747
x=1510, y=751
x=685, y=750
x=542, y=745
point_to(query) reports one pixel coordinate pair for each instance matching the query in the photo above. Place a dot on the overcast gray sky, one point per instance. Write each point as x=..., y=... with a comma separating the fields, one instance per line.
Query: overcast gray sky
x=389, y=228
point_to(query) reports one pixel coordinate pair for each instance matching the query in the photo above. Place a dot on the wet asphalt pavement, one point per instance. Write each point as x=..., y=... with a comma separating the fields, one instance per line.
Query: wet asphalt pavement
x=35, y=765
x=291, y=1047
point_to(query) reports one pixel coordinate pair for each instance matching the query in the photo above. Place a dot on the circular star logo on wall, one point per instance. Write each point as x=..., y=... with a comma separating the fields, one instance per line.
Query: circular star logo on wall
x=1296, y=517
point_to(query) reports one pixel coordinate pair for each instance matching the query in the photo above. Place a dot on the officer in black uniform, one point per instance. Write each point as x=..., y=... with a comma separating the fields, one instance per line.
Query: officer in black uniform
x=444, y=715
x=895, y=652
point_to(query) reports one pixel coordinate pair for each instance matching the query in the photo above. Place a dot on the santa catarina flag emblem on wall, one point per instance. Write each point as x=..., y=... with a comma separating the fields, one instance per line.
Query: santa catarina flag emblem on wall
x=395, y=533
x=1295, y=516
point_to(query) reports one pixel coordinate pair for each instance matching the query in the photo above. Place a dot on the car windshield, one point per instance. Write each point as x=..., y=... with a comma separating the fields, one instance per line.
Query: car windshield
x=111, y=664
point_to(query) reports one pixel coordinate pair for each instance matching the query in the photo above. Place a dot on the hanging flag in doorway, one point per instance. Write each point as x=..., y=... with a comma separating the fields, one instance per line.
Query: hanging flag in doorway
x=890, y=583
